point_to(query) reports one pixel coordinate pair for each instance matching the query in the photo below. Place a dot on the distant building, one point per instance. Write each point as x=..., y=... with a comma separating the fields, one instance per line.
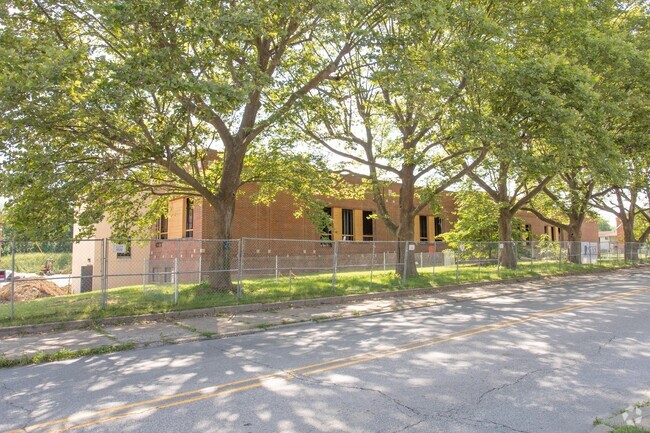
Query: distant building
x=610, y=239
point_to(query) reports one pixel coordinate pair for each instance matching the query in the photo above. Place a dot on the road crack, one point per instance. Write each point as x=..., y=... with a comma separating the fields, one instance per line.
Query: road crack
x=16, y=406
x=601, y=346
x=509, y=384
x=311, y=380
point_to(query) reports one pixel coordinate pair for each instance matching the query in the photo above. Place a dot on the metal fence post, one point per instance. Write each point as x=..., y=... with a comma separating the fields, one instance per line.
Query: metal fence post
x=532, y=254
x=105, y=246
x=406, y=255
x=433, y=261
x=457, y=257
x=144, y=276
x=480, y=251
x=499, y=248
x=372, y=263
x=240, y=258
x=200, y=279
x=276, y=268
x=13, y=275
x=290, y=280
x=334, y=264
x=560, y=258
x=384, y=260
x=176, y=281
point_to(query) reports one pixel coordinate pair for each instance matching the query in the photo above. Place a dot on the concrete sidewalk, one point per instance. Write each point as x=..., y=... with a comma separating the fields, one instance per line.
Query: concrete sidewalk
x=143, y=333
x=630, y=416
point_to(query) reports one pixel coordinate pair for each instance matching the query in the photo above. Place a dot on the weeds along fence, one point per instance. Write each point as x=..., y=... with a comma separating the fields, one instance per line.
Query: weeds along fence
x=130, y=276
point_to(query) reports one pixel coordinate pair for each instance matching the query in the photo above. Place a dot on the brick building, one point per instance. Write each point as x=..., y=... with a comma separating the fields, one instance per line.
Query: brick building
x=351, y=221
x=187, y=234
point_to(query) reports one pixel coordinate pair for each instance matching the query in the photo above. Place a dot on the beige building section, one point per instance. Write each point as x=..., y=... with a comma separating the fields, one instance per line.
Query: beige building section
x=88, y=255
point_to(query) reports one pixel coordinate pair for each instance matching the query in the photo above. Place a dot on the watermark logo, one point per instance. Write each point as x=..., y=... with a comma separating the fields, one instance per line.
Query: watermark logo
x=632, y=416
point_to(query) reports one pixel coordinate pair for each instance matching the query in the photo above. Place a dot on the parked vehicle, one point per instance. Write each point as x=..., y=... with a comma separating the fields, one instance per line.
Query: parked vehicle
x=5, y=275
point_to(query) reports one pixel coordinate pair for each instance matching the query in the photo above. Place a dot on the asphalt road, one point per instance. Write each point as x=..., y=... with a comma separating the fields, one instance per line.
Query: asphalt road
x=544, y=361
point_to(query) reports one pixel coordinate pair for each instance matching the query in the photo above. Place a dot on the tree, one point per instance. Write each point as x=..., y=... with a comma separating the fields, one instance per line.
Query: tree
x=630, y=203
x=390, y=115
x=527, y=105
x=625, y=85
x=602, y=44
x=566, y=201
x=604, y=225
x=129, y=96
x=477, y=221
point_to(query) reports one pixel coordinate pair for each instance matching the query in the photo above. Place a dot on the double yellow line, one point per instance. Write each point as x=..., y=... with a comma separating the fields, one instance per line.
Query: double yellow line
x=123, y=411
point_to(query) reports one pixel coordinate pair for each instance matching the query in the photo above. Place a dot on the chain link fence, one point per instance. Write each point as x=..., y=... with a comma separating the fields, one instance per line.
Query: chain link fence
x=104, y=277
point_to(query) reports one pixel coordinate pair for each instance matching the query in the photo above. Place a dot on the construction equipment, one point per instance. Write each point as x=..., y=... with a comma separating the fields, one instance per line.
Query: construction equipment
x=47, y=268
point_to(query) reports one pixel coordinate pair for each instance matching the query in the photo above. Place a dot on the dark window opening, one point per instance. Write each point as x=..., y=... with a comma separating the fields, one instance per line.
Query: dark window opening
x=424, y=229
x=552, y=233
x=163, y=227
x=368, y=226
x=189, y=217
x=326, y=225
x=527, y=235
x=437, y=226
x=347, y=224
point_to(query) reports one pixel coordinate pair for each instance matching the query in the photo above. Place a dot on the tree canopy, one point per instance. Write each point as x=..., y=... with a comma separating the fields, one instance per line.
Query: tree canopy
x=111, y=105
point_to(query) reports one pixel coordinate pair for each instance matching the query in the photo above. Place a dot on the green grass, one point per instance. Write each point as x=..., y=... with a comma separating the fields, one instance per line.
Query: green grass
x=63, y=354
x=630, y=429
x=133, y=300
x=31, y=262
x=623, y=429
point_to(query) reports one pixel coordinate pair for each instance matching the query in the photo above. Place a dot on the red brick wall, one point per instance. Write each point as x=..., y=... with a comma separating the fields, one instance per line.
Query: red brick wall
x=277, y=220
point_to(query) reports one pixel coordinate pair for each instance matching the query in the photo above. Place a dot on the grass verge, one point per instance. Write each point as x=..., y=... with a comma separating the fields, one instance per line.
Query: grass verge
x=63, y=354
x=624, y=429
x=630, y=429
x=135, y=300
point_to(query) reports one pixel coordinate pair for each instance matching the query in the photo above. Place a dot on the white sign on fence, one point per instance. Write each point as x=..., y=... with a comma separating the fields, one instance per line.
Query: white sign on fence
x=119, y=248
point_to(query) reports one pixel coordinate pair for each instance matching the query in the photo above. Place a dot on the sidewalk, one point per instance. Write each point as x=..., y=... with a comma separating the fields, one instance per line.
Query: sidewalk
x=631, y=416
x=179, y=328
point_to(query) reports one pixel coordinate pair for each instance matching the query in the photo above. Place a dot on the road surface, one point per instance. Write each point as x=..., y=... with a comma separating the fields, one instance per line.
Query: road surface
x=549, y=360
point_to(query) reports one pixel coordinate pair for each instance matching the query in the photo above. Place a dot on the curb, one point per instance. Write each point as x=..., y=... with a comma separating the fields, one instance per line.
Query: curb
x=631, y=416
x=271, y=306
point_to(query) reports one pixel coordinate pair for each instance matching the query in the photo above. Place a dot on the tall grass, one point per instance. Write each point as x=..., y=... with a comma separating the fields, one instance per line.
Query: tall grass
x=31, y=262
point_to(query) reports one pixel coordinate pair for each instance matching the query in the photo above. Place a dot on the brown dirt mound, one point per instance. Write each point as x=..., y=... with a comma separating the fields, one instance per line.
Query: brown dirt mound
x=30, y=290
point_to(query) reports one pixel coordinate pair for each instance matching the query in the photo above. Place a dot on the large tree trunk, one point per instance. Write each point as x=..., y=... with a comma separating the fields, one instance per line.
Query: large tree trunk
x=405, y=238
x=223, y=249
x=406, y=226
x=631, y=246
x=575, y=238
x=507, y=254
x=220, y=250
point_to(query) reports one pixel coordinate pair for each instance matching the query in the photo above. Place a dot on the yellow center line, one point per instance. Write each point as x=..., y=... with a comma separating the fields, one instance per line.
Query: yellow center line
x=256, y=382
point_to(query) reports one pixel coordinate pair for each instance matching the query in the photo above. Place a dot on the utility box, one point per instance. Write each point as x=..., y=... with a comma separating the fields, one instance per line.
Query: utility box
x=86, y=278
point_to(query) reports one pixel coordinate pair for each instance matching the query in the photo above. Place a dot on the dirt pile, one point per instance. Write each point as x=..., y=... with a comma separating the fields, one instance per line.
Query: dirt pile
x=30, y=290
